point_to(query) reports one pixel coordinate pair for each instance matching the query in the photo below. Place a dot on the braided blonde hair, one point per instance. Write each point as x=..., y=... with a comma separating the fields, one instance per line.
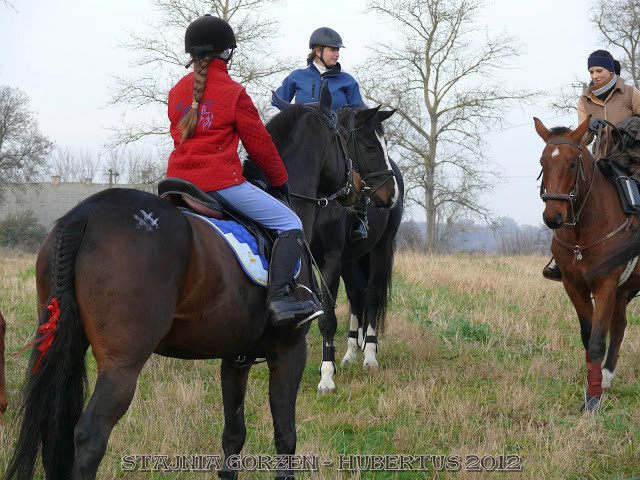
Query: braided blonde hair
x=189, y=122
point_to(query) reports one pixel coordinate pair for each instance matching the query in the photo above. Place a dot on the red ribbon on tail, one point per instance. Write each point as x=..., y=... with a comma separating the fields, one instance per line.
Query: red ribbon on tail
x=48, y=330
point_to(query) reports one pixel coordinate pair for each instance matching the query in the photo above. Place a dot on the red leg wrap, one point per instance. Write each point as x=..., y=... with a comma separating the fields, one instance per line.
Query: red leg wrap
x=594, y=379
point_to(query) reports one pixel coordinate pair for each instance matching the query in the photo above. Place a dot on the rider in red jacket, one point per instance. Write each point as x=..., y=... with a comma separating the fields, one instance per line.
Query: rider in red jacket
x=210, y=113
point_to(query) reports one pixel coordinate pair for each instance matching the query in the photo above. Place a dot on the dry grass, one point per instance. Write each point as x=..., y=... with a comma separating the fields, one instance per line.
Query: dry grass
x=481, y=357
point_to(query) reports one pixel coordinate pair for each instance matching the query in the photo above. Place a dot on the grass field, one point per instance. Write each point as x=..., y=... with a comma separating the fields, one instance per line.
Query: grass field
x=482, y=365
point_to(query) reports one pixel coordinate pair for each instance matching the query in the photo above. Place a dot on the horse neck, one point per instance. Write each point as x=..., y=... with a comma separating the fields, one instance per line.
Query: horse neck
x=315, y=166
x=601, y=212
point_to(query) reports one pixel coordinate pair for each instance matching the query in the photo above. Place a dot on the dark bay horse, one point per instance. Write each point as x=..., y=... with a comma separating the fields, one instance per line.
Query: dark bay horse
x=364, y=264
x=130, y=275
x=4, y=402
x=583, y=209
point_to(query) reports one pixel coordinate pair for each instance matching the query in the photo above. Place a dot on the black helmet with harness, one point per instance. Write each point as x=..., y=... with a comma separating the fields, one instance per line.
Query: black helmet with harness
x=209, y=34
x=325, y=37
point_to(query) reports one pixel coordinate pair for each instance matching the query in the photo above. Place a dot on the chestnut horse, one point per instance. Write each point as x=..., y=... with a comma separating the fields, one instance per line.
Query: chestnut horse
x=131, y=275
x=583, y=208
x=4, y=402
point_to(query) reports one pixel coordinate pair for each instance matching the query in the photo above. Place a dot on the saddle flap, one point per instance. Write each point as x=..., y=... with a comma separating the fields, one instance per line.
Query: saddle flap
x=185, y=194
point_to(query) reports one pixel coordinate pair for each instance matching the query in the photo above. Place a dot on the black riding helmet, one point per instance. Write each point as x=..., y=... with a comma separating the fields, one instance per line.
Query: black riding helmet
x=325, y=37
x=209, y=34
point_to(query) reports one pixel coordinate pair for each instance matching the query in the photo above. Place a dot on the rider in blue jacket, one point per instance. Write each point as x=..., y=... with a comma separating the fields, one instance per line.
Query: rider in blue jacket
x=304, y=85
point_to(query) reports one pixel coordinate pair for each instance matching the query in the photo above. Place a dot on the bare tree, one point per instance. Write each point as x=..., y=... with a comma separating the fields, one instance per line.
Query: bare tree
x=74, y=165
x=161, y=58
x=8, y=4
x=513, y=239
x=24, y=149
x=440, y=78
x=619, y=24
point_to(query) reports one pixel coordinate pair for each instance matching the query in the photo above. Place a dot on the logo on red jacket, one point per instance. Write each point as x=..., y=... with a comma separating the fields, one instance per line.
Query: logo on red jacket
x=205, y=114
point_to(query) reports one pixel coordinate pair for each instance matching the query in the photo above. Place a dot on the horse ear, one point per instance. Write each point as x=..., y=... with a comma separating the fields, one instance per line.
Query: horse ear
x=541, y=129
x=384, y=114
x=325, y=99
x=364, y=116
x=579, y=132
x=280, y=102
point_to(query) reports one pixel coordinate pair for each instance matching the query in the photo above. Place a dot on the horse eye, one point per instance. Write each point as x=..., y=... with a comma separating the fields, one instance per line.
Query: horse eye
x=370, y=148
x=572, y=166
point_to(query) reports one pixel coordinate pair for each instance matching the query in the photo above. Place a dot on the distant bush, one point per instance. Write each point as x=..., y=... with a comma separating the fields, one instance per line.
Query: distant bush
x=409, y=237
x=22, y=230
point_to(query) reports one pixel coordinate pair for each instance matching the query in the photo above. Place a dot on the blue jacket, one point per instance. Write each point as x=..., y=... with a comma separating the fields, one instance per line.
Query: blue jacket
x=304, y=84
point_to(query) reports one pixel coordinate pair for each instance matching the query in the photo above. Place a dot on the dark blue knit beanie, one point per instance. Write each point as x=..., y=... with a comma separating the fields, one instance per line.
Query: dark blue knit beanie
x=600, y=61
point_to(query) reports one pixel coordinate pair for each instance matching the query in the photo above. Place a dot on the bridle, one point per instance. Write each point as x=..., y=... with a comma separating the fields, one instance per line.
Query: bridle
x=572, y=196
x=361, y=165
x=349, y=183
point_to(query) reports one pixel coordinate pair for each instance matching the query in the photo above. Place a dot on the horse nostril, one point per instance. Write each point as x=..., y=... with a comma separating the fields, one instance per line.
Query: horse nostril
x=558, y=219
x=553, y=223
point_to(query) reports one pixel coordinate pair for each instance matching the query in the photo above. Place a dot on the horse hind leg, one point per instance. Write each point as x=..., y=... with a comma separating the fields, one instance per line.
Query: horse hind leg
x=287, y=358
x=111, y=398
x=234, y=388
x=355, y=338
x=616, y=335
x=354, y=280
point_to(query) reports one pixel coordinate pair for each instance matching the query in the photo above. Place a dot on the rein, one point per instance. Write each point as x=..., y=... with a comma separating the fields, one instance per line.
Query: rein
x=578, y=249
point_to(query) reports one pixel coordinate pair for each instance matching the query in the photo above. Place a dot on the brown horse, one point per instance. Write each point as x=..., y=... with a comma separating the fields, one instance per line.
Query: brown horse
x=4, y=402
x=129, y=274
x=583, y=209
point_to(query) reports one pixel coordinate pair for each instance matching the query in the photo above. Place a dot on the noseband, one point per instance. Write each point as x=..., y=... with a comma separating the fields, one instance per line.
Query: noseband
x=572, y=196
x=361, y=166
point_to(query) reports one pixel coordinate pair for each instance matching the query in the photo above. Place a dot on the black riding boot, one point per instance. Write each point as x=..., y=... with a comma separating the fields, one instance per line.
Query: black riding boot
x=553, y=272
x=283, y=306
x=360, y=228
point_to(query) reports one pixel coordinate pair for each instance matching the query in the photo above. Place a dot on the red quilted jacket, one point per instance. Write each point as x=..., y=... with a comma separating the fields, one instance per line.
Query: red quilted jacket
x=226, y=115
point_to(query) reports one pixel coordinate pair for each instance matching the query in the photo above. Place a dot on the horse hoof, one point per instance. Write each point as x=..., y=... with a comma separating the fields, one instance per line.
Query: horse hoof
x=347, y=361
x=591, y=405
x=325, y=391
x=371, y=368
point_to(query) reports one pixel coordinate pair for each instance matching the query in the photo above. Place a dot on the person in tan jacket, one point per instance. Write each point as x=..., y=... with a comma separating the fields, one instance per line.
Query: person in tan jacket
x=607, y=99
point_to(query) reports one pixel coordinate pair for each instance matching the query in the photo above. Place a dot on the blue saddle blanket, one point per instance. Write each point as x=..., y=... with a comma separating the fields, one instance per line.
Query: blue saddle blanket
x=245, y=247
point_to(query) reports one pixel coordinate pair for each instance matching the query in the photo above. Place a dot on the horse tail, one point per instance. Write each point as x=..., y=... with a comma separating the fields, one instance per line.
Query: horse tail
x=56, y=381
x=384, y=289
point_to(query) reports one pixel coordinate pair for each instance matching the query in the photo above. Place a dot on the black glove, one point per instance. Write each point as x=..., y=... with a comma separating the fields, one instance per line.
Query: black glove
x=595, y=123
x=627, y=139
x=281, y=191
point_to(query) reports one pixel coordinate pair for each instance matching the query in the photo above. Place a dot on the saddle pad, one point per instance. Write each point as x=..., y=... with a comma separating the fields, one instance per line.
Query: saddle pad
x=245, y=247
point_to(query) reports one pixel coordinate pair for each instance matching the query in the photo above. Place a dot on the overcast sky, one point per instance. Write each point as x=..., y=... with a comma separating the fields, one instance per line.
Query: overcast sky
x=63, y=54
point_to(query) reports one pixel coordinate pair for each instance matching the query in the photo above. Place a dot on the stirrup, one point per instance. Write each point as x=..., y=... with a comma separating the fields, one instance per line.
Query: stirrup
x=310, y=318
